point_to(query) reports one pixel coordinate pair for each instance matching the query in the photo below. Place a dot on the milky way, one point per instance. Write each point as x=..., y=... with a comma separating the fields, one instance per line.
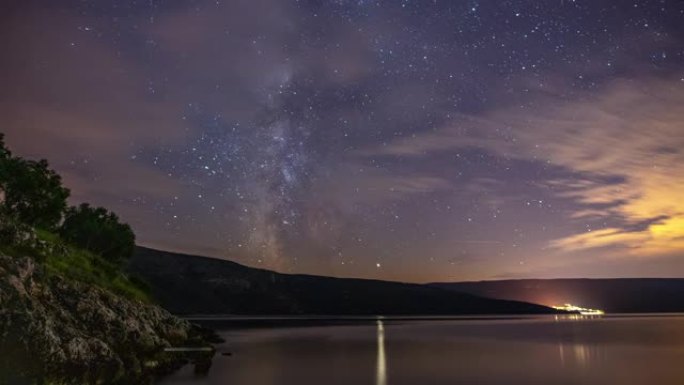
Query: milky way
x=412, y=140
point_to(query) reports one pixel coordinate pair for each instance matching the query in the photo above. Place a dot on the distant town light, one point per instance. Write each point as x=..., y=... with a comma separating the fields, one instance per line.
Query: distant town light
x=581, y=310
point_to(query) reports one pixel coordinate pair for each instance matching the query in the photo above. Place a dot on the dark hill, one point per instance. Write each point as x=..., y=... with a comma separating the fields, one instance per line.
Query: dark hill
x=187, y=284
x=623, y=295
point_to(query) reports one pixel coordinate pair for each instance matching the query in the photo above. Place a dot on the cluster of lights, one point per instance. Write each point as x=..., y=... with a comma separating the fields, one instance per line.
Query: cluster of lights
x=583, y=311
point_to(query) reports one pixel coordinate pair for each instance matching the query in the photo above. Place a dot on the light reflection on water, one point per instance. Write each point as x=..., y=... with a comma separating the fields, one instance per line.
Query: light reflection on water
x=578, y=355
x=550, y=350
x=381, y=371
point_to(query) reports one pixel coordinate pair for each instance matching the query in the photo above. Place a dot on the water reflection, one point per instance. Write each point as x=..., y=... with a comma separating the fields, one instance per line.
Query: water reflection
x=381, y=363
x=577, y=317
x=574, y=354
x=579, y=355
x=572, y=350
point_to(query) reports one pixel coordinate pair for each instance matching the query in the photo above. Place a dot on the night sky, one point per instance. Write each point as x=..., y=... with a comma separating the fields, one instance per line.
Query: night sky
x=408, y=140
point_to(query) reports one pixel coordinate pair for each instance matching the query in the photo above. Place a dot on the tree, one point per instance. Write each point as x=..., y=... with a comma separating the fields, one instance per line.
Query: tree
x=5, y=155
x=4, y=152
x=32, y=193
x=99, y=231
x=5, y=158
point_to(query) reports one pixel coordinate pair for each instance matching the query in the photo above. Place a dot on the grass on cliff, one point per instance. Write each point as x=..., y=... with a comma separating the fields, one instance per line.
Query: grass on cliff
x=84, y=266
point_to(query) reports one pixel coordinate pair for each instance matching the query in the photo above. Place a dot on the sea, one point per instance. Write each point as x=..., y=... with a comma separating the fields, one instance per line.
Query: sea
x=620, y=349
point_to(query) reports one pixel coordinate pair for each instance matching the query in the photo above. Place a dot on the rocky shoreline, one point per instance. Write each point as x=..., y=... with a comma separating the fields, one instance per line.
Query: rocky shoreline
x=55, y=330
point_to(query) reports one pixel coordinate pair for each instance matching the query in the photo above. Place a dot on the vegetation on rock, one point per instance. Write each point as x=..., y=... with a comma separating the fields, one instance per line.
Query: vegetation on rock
x=99, y=231
x=68, y=313
x=82, y=243
x=32, y=195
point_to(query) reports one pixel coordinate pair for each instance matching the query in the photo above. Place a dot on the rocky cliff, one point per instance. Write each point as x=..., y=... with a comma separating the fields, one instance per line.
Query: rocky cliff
x=56, y=330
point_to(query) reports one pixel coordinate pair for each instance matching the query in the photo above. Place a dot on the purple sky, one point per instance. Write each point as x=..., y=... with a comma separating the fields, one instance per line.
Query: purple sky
x=414, y=140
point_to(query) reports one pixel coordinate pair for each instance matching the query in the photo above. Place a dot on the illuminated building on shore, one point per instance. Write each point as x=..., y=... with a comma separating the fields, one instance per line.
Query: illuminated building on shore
x=583, y=311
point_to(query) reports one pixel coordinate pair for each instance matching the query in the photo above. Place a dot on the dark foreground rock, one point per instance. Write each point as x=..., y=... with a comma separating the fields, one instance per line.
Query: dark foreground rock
x=59, y=331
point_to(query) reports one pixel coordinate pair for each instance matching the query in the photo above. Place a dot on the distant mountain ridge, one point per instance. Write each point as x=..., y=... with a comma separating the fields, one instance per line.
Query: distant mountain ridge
x=187, y=284
x=613, y=295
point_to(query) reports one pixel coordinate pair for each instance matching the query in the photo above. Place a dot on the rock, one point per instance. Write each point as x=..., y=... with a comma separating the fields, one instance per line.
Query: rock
x=58, y=331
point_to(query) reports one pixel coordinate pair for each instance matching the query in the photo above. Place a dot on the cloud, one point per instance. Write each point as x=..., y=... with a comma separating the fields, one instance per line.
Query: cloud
x=623, y=145
x=600, y=238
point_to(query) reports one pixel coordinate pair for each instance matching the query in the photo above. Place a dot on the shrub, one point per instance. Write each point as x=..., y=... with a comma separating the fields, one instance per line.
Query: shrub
x=32, y=193
x=99, y=231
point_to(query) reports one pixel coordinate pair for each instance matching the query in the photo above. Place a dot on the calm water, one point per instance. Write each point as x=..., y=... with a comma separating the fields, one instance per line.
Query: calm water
x=548, y=350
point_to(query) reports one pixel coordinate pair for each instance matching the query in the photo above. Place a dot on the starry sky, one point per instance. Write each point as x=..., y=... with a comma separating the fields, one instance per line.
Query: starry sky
x=406, y=140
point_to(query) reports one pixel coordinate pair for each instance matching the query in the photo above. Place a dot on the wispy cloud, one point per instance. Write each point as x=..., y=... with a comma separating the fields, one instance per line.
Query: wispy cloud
x=625, y=145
